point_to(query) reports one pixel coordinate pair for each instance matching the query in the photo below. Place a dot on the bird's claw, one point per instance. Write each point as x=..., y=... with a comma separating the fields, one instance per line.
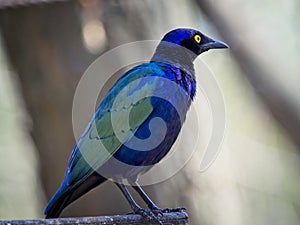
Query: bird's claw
x=178, y=209
x=149, y=215
x=154, y=213
x=157, y=211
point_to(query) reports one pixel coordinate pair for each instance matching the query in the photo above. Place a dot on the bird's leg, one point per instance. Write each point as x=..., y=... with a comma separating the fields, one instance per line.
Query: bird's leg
x=146, y=198
x=151, y=204
x=135, y=207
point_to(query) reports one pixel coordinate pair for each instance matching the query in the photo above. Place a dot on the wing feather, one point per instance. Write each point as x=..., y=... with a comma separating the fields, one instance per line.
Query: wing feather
x=110, y=126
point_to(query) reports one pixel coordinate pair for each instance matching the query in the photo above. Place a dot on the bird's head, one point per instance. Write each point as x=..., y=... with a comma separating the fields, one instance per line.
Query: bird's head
x=182, y=46
x=193, y=40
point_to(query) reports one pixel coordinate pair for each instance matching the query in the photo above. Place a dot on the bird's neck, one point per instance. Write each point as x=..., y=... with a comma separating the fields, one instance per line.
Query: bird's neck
x=175, y=55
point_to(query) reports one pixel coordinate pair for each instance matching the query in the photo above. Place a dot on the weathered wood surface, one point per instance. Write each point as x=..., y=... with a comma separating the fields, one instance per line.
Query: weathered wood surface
x=16, y=3
x=178, y=218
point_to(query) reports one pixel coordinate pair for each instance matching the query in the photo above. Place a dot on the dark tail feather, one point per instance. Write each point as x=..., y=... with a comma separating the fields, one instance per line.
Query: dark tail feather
x=57, y=203
x=63, y=197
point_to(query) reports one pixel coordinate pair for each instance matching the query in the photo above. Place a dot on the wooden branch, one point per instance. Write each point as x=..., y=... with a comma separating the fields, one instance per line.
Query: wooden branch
x=178, y=218
x=15, y=3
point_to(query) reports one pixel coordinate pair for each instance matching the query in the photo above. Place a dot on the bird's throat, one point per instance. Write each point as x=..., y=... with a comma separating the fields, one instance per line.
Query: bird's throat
x=176, y=56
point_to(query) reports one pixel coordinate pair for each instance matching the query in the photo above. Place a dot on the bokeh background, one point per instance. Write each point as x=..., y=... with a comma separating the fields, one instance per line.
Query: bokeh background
x=46, y=47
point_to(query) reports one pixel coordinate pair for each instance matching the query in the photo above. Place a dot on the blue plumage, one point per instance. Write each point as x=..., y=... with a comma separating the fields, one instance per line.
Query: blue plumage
x=163, y=88
x=164, y=110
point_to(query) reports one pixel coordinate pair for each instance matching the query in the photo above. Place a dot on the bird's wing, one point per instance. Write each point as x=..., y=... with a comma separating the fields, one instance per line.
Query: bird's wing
x=111, y=126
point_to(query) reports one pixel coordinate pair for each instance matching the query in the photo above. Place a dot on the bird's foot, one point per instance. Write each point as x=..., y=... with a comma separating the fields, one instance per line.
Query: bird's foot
x=160, y=212
x=149, y=215
x=157, y=211
x=178, y=209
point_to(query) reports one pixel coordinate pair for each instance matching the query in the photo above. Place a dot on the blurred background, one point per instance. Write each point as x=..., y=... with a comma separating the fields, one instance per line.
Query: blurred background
x=46, y=47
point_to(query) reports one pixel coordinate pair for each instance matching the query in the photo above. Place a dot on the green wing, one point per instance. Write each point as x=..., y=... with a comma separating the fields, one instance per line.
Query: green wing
x=110, y=127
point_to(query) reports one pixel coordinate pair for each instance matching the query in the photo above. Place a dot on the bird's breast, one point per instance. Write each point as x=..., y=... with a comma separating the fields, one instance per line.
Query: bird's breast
x=156, y=135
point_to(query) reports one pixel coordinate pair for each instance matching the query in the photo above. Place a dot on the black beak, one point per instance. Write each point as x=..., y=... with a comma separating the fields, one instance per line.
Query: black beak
x=217, y=44
x=213, y=44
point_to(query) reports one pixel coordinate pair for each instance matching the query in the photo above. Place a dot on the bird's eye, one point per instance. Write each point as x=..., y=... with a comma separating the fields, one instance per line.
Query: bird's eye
x=197, y=38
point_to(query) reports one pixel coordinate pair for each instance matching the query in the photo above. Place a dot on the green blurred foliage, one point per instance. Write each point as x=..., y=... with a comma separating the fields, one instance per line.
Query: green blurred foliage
x=21, y=195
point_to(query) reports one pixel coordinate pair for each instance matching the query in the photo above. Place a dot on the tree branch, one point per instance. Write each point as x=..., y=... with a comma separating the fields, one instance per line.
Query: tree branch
x=15, y=3
x=178, y=218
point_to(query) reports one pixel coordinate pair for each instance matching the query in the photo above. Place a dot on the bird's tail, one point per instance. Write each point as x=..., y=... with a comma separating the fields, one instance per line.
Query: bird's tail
x=57, y=203
x=66, y=195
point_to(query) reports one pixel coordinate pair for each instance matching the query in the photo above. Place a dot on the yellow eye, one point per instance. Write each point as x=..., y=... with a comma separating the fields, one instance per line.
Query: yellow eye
x=197, y=38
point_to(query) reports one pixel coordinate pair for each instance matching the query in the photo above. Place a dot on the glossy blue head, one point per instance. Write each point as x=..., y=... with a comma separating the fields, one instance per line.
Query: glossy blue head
x=193, y=40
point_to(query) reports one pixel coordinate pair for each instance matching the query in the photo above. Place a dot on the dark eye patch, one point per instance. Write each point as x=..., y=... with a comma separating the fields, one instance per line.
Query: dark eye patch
x=190, y=44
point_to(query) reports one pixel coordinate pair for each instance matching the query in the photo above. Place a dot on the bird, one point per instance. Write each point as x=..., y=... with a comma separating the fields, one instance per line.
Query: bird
x=136, y=124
